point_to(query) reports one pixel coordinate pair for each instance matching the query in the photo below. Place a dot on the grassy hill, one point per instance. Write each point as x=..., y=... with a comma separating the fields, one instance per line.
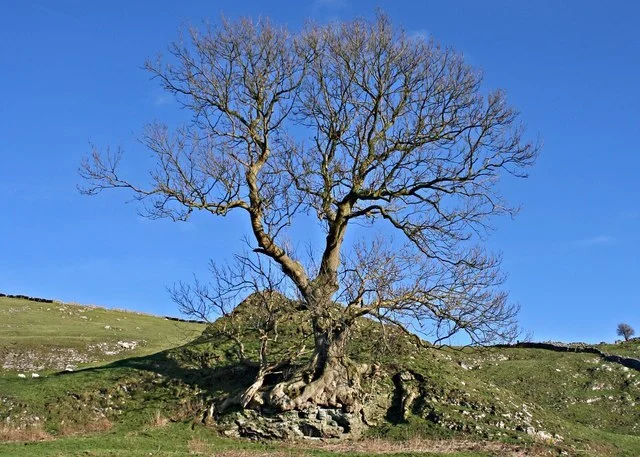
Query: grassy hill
x=40, y=336
x=115, y=383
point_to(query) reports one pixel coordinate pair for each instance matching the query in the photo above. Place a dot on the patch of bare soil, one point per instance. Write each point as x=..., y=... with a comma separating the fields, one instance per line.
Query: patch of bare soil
x=26, y=433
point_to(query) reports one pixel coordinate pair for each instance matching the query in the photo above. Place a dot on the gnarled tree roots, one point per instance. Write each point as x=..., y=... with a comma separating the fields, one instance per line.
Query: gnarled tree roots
x=327, y=406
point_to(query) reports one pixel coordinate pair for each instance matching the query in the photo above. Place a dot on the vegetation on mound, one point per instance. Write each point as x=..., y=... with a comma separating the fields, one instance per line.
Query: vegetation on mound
x=528, y=398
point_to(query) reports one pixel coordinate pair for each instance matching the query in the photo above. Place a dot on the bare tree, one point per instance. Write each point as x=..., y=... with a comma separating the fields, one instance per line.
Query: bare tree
x=348, y=123
x=625, y=331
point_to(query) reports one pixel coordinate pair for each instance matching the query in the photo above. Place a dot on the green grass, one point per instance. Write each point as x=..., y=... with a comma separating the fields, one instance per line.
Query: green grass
x=106, y=405
x=594, y=405
x=176, y=440
x=38, y=336
x=624, y=349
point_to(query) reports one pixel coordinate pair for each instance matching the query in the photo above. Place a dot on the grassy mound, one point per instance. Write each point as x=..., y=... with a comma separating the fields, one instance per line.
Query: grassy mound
x=150, y=398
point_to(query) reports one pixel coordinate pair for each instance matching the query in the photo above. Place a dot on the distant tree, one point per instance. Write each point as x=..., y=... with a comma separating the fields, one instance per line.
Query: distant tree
x=625, y=331
x=347, y=124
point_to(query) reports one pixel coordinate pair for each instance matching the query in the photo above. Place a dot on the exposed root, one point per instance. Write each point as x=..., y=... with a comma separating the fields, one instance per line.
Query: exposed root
x=339, y=386
x=328, y=406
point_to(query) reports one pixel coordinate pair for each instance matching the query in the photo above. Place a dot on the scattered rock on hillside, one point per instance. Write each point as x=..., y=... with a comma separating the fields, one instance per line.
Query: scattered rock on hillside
x=60, y=358
x=34, y=361
x=128, y=344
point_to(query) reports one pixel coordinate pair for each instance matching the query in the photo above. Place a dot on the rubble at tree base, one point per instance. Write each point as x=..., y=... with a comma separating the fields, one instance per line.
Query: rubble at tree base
x=317, y=422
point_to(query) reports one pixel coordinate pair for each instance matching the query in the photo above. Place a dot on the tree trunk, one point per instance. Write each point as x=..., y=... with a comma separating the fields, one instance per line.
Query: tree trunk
x=330, y=380
x=330, y=346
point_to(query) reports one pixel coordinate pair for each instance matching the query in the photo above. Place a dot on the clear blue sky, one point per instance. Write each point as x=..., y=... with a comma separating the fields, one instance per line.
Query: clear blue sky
x=70, y=75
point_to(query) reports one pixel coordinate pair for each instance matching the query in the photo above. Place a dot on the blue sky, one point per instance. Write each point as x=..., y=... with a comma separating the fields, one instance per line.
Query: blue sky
x=70, y=76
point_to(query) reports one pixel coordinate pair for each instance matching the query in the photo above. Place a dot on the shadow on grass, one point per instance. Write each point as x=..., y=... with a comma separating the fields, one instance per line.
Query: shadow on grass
x=194, y=368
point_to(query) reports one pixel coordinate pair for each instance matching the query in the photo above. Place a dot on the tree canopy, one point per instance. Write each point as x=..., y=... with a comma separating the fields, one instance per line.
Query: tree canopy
x=346, y=123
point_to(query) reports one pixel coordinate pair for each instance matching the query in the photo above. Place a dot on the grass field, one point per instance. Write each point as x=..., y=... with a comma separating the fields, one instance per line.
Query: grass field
x=90, y=381
x=38, y=336
x=180, y=440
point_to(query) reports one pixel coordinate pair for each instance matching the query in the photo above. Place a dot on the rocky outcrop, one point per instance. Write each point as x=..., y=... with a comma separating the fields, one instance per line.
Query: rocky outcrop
x=326, y=419
x=314, y=422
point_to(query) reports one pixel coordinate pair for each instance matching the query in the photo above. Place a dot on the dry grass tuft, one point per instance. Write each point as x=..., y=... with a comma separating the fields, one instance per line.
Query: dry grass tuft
x=417, y=445
x=158, y=420
x=247, y=453
x=366, y=447
x=23, y=433
x=188, y=409
x=98, y=424
x=198, y=446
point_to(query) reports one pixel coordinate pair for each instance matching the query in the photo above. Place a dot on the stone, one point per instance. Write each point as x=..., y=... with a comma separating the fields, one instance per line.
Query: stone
x=315, y=423
x=127, y=344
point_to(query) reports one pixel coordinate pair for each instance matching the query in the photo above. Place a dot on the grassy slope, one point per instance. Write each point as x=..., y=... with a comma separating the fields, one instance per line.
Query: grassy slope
x=625, y=349
x=38, y=336
x=592, y=403
x=125, y=396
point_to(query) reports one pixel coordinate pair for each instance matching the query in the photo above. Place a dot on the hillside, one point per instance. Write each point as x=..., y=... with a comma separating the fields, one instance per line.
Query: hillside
x=46, y=336
x=124, y=384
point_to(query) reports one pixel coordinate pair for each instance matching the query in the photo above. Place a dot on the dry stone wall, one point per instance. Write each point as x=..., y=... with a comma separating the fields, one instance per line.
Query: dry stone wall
x=628, y=362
